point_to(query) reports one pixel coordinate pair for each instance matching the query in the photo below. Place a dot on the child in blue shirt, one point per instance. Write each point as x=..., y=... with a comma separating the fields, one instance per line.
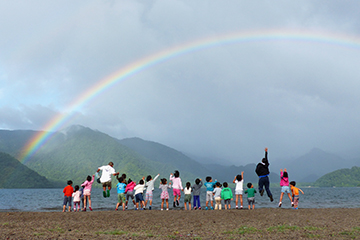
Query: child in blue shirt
x=209, y=184
x=121, y=193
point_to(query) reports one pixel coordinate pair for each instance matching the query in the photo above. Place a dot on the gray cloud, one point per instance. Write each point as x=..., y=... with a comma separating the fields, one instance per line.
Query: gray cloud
x=227, y=101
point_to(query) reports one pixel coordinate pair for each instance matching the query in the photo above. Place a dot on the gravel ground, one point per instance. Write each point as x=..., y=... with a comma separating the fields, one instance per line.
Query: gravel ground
x=274, y=223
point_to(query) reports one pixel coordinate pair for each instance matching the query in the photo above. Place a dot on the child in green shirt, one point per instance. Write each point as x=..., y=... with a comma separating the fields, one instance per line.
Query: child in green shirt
x=251, y=195
x=227, y=195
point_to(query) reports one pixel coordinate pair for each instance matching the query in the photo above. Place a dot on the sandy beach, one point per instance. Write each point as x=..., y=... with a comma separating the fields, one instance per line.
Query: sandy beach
x=225, y=224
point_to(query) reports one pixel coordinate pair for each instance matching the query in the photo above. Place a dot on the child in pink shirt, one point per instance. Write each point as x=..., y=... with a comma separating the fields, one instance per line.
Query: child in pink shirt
x=284, y=183
x=177, y=186
x=87, y=190
x=129, y=192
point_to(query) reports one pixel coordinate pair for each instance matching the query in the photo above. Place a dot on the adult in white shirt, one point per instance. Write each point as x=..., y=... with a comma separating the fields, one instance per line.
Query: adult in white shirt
x=105, y=179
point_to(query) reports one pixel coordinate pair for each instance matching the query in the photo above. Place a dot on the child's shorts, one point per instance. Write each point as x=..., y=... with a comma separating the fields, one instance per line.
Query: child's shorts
x=130, y=194
x=121, y=198
x=251, y=200
x=67, y=200
x=227, y=201
x=139, y=197
x=187, y=198
x=209, y=196
x=106, y=184
x=238, y=192
x=176, y=192
x=149, y=196
x=296, y=200
x=87, y=192
x=285, y=189
x=164, y=195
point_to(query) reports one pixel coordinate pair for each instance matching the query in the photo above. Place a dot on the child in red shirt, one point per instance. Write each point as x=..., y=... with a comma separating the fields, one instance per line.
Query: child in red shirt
x=68, y=191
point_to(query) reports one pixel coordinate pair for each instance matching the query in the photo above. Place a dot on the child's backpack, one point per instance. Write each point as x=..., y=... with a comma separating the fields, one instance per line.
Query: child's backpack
x=97, y=176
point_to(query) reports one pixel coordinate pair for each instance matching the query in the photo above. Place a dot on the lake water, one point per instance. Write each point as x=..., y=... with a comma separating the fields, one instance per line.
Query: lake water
x=51, y=199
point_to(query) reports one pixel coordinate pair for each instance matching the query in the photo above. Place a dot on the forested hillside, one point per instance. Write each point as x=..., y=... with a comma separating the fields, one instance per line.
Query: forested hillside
x=13, y=174
x=340, y=178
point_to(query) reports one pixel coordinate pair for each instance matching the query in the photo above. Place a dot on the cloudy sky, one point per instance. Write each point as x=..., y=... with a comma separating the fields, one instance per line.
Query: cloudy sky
x=228, y=100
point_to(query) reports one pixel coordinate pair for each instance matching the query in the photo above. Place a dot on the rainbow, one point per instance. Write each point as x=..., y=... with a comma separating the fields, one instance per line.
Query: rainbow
x=39, y=139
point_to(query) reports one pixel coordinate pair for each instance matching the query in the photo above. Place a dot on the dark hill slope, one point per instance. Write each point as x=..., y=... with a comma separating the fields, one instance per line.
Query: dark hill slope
x=13, y=174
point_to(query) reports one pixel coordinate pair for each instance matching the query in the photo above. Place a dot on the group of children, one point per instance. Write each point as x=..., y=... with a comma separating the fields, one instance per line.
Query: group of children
x=130, y=190
x=78, y=195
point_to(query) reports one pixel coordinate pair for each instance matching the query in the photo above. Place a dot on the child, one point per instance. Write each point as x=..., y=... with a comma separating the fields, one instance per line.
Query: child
x=177, y=186
x=284, y=183
x=262, y=170
x=209, y=184
x=196, y=193
x=227, y=195
x=164, y=193
x=295, y=194
x=139, y=199
x=87, y=191
x=187, y=192
x=149, y=190
x=217, y=195
x=68, y=191
x=129, y=191
x=251, y=195
x=121, y=193
x=239, y=181
x=105, y=179
x=76, y=196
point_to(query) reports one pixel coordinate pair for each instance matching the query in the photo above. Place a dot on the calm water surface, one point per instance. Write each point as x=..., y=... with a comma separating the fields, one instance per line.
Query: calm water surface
x=51, y=199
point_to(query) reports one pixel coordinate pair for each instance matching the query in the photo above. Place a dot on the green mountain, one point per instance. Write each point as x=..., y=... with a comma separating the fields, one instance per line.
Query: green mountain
x=76, y=152
x=167, y=156
x=13, y=174
x=340, y=178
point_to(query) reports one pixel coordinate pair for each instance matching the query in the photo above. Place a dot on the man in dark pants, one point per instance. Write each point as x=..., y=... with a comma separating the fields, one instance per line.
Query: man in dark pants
x=262, y=170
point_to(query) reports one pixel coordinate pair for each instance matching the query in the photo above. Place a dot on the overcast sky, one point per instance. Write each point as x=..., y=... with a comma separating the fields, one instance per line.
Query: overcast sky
x=228, y=101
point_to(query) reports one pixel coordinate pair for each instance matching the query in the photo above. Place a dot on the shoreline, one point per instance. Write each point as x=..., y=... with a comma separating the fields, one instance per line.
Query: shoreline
x=273, y=223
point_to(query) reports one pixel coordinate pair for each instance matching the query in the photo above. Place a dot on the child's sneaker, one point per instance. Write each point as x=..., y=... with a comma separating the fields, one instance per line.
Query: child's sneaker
x=108, y=193
x=241, y=207
x=236, y=207
x=292, y=204
x=134, y=206
x=174, y=205
x=199, y=208
x=104, y=194
x=116, y=209
x=206, y=208
x=177, y=202
x=194, y=208
x=167, y=209
x=262, y=192
x=162, y=209
x=149, y=207
x=211, y=208
x=84, y=209
x=90, y=208
x=271, y=198
x=280, y=203
x=125, y=207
